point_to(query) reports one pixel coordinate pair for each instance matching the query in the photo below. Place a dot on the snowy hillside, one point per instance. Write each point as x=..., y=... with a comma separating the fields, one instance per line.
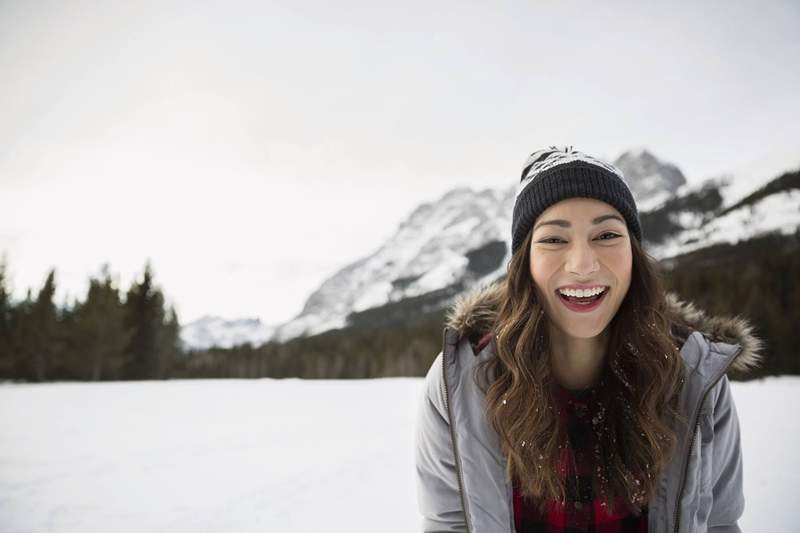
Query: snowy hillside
x=209, y=331
x=726, y=210
x=429, y=251
x=284, y=456
x=461, y=240
x=778, y=212
x=738, y=183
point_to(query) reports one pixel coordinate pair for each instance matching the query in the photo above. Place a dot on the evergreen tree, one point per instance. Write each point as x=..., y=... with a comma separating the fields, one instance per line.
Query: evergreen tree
x=66, y=358
x=100, y=335
x=144, y=316
x=23, y=334
x=45, y=322
x=170, y=346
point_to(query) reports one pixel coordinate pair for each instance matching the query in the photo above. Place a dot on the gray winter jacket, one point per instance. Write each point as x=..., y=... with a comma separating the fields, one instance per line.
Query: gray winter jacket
x=461, y=483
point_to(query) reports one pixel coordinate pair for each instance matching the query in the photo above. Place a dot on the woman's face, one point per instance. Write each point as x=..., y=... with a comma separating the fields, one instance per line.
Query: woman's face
x=581, y=241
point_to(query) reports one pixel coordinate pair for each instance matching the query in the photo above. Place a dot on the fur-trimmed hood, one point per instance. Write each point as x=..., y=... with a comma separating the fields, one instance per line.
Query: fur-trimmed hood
x=472, y=314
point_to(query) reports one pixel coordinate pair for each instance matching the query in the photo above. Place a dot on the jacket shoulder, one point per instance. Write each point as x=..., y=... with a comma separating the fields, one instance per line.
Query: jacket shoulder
x=731, y=338
x=433, y=385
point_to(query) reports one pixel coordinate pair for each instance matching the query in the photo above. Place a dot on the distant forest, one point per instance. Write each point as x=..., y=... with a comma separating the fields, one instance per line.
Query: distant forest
x=102, y=337
x=115, y=336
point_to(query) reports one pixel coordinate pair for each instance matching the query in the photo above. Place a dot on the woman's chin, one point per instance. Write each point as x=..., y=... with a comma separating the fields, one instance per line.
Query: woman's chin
x=583, y=330
x=586, y=334
x=577, y=325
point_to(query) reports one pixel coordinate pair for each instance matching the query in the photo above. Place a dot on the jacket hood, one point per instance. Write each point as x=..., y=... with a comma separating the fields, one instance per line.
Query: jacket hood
x=472, y=315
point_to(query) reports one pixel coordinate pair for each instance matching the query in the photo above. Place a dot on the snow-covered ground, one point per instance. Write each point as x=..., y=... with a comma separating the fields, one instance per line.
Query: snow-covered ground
x=275, y=455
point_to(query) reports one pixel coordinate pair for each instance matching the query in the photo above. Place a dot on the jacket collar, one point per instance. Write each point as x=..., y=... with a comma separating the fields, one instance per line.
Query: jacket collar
x=472, y=314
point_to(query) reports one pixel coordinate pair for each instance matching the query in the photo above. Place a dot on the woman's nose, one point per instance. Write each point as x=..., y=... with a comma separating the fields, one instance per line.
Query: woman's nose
x=582, y=260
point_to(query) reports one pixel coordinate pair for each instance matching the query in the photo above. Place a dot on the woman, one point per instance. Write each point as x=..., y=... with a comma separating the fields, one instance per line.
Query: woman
x=575, y=394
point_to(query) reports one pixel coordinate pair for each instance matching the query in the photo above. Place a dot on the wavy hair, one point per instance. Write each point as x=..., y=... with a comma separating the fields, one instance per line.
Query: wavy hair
x=643, y=373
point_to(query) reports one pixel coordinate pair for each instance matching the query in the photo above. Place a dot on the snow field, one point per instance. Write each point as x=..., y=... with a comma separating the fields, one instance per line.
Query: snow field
x=274, y=455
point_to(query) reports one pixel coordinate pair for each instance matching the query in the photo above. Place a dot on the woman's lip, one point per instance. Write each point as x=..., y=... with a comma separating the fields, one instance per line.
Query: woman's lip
x=581, y=287
x=582, y=308
x=607, y=288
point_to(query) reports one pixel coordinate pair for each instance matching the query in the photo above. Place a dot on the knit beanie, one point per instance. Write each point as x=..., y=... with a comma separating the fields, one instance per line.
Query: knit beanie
x=551, y=175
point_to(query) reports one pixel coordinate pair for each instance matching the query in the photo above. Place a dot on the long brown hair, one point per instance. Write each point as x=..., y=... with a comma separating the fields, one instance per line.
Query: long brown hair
x=641, y=380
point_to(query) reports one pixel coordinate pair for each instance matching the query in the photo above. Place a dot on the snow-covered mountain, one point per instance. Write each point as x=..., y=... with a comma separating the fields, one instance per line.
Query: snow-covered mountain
x=438, y=245
x=210, y=331
x=735, y=206
x=463, y=239
x=652, y=181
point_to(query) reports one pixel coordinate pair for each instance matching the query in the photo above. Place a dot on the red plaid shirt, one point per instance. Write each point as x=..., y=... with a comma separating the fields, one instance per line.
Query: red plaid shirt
x=584, y=508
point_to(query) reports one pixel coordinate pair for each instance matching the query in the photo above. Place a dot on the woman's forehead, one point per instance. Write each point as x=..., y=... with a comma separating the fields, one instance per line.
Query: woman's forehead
x=578, y=209
x=579, y=203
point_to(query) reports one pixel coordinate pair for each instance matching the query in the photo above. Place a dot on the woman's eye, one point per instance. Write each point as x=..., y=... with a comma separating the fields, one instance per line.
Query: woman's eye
x=607, y=234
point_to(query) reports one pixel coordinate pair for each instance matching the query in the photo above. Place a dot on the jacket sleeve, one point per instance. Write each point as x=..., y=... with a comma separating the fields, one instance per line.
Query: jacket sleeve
x=726, y=469
x=438, y=494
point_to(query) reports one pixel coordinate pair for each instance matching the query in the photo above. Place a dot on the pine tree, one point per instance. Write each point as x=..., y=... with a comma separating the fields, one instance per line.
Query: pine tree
x=45, y=322
x=170, y=345
x=144, y=316
x=23, y=334
x=100, y=335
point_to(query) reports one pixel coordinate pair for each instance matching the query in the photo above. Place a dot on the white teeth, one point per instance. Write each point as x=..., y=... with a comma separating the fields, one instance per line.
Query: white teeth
x=582, y=293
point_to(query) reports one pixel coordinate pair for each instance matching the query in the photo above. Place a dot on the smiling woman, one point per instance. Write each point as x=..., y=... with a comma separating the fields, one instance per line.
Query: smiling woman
x=580, y=262
x=576, y=394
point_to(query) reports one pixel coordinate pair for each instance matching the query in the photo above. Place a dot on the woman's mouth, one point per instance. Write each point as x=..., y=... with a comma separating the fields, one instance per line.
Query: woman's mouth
x=582, y=305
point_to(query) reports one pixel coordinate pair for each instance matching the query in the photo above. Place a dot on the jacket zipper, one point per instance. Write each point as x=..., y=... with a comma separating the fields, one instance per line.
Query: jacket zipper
x=453, y=434
x=691, y=440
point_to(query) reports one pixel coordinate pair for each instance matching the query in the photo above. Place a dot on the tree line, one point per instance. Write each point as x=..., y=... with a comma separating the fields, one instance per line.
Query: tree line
x=107, y=336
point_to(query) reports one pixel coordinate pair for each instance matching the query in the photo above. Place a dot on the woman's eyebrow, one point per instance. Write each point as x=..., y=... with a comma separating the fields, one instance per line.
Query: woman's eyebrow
x=566, y=223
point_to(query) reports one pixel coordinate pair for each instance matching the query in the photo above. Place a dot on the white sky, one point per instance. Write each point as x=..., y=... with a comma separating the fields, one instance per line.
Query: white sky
x=251, y=149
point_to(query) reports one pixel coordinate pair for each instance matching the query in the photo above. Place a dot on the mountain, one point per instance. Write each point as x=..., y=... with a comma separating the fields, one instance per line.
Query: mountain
x=211, y=331
x=449, y=244
x=759, y=198
x=652, y=181
x=456, y=241
x=462, y=239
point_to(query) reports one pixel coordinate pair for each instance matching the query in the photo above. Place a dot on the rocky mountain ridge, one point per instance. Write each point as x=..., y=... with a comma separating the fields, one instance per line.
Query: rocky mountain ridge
x=462, y=240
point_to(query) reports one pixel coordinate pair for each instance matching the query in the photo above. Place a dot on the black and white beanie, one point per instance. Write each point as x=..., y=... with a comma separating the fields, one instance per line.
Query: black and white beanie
x=552, y=174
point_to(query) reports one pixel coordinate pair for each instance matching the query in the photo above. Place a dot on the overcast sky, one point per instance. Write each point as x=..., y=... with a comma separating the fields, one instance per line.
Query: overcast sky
x=251, y=149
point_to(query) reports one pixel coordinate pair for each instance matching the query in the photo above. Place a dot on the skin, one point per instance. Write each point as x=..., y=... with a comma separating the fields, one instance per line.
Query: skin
x=583, y=253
